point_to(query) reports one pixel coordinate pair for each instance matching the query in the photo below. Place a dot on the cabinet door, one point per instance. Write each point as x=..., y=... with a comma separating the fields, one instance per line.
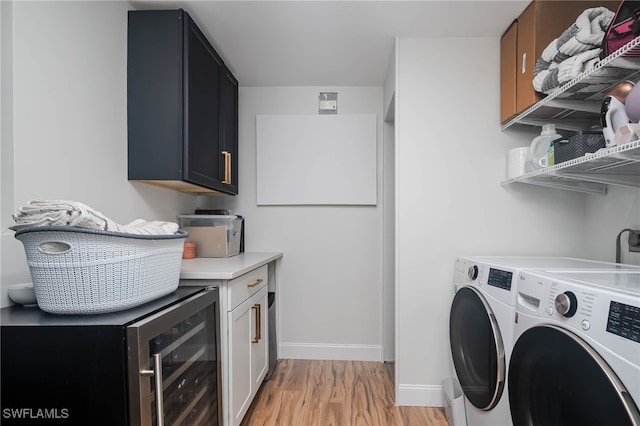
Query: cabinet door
x=260, y=345
x=248, y=353
x=240, y=381
x=508, y=63
x=155, y=95
x=202, y=109
x=229, y=130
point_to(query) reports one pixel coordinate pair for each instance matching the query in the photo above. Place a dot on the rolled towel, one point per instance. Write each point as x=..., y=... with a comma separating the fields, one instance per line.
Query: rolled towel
x=74, y=213
x=575, y=51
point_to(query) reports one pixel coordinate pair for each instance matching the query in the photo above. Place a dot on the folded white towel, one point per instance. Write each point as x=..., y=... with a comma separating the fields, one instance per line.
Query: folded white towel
x=73, y=213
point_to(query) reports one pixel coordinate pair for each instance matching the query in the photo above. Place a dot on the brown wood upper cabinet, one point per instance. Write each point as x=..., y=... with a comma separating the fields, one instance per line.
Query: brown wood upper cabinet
x=508, y=78
x=522, y=44
x=182, y=106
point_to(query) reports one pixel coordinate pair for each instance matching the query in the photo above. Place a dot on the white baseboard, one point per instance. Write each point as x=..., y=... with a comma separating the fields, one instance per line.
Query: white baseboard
x=329, y=351
x=408, y=395
x=420, y=396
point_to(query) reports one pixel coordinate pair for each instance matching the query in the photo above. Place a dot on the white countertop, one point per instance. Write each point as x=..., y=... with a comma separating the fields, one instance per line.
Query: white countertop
x=224, y=268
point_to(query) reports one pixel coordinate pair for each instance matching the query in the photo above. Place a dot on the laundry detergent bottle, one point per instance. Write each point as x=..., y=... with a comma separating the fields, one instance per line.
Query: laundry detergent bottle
x=538, y=154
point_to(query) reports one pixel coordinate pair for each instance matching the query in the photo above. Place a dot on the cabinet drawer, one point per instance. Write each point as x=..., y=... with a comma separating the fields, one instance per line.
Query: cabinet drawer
x=246, y=285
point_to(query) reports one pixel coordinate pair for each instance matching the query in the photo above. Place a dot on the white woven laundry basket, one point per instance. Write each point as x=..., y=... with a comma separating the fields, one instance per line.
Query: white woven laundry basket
x=85, y=271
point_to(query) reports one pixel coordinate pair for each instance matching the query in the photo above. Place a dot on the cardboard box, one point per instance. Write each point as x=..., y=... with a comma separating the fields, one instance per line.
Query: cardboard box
x=215, y=236
x=538, y=25
x=508, y=52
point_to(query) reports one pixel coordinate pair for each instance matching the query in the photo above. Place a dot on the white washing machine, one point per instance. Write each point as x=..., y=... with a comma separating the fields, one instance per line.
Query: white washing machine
x=576, y=357
x=481, y=324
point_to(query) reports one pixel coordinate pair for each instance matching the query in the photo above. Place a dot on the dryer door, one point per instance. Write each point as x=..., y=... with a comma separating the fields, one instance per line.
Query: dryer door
x=476, y=348
x=556, y=378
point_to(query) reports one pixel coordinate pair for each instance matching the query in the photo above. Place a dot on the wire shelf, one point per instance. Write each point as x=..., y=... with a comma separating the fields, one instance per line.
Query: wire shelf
x=618, y=165
x=576, y=106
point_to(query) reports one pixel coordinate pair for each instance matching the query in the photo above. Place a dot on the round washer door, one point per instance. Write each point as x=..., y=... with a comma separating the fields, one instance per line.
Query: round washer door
x=556, y=378
x=476, y=348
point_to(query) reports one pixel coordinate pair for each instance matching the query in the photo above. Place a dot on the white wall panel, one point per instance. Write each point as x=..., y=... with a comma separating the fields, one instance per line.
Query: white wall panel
x=316, y=159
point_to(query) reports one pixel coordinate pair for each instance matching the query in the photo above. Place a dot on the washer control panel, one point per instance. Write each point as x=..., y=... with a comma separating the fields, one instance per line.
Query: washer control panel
x=569, y=303
x=604, y=315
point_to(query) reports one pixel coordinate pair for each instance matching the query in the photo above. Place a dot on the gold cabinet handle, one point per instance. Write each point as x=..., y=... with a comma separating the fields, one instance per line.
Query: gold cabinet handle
x=227, y=167
x=257, y=309
x=258, y=281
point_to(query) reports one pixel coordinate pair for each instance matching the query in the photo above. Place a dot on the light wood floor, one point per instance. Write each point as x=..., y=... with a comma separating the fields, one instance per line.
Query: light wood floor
x=334, y=393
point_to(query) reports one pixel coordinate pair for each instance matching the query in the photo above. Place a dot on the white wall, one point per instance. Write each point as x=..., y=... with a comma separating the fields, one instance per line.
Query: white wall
x=606, y=217
x=6, y=122
x=330, y=281
x=70, y=120
x=450, y=160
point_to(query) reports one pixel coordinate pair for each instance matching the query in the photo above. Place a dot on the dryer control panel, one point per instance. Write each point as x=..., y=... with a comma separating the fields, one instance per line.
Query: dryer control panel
x=495, y=280
x=500, y=278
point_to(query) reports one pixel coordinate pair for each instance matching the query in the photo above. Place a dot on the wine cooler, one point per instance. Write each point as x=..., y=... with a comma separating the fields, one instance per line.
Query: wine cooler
x=154, y=365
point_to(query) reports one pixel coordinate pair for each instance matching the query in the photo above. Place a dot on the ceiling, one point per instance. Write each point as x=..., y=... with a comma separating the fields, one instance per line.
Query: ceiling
x=331, y=43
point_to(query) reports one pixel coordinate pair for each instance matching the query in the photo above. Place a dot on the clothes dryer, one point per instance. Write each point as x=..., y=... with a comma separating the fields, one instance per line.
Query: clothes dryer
x=576, y=357
x=481, y=324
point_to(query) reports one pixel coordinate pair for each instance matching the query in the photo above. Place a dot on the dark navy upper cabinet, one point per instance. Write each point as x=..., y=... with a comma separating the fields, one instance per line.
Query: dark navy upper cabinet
x=182, y=106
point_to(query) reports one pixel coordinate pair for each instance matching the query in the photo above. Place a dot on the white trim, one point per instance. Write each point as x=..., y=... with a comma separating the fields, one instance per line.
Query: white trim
x=329, y=351
x=420, y=396
x=396, y=215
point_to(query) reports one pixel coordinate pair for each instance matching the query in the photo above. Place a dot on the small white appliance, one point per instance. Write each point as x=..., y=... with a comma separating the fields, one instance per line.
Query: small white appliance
x=481, y=326
x=612, y=117
x=576, y=357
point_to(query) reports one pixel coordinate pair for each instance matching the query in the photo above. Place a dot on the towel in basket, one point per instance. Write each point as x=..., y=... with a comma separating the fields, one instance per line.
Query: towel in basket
x=87, y=271
x=74, y=213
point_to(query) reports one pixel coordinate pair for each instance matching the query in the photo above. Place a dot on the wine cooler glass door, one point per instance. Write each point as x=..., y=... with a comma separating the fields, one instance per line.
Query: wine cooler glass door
x=178, y=364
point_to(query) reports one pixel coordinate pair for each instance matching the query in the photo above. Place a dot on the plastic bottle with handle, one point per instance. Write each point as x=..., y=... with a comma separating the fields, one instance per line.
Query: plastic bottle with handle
x=538, y=154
